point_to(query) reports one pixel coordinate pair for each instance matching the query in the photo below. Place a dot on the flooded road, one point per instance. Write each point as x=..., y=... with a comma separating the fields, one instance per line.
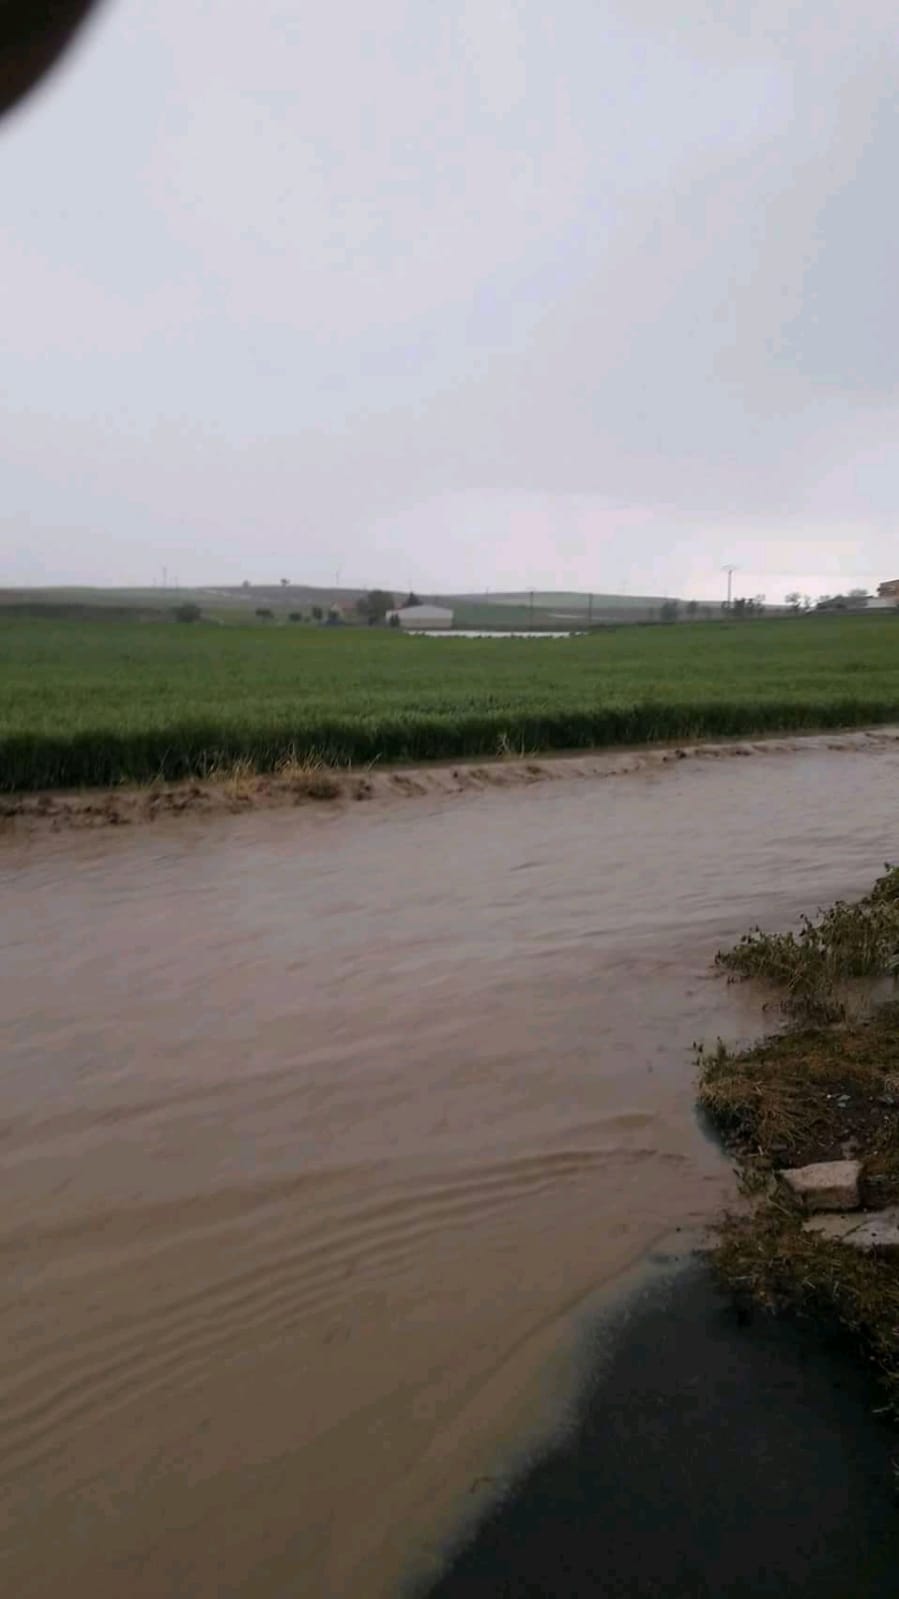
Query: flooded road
x=317, y=1130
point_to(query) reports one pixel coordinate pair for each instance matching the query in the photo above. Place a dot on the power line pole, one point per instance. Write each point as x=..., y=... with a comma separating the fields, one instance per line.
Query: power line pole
x=730, y=570
x=589, y=610
x=531, y=623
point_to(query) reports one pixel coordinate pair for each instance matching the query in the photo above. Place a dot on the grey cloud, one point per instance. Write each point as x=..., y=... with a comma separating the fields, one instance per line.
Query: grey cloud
x=368, y=287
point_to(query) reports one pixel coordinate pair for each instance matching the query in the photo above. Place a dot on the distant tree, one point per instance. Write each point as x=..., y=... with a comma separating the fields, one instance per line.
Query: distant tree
x=394, y=620
x=669, y=611
x=295, y=616
x=317, y=613
x=285, y=582
x=692, y=607
x=411, y=599
x=264, y=614
x=793, y=599
x=373, y=606
x=842, y=602
x=187, y=613
x=245, y=584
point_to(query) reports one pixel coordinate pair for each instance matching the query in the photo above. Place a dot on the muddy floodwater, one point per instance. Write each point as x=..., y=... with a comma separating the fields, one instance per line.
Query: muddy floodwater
x=319, y=1130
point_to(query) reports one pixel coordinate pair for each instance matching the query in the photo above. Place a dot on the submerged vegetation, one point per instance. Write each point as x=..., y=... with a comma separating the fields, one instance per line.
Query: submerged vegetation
x=822, y=1090
x=858, y=939
x=100, y=703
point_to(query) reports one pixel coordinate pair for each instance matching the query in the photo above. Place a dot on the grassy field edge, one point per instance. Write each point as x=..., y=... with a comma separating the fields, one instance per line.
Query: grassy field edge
x=186, y=749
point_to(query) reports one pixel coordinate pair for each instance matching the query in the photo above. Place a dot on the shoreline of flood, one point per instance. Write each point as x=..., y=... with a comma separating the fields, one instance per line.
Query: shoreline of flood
x=241, y=790
x=704, y=1456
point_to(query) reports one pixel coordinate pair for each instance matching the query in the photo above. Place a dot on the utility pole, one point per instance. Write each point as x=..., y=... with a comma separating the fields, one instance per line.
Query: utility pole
x=730, y=570
x=589, y=610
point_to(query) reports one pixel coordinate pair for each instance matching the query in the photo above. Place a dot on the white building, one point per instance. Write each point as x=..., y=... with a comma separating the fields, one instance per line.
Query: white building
x=420, y=618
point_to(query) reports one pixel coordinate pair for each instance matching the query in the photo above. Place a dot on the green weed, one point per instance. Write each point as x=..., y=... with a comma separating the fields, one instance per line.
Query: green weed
x=853, y=940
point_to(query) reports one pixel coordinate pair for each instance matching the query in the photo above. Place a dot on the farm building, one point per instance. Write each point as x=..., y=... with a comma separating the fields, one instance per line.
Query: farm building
x=889, y=591
x=421, y=617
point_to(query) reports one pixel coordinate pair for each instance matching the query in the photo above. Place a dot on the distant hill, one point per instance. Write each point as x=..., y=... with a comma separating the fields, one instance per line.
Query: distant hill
x=546, y=609
x=158, y=603
x=575, y=602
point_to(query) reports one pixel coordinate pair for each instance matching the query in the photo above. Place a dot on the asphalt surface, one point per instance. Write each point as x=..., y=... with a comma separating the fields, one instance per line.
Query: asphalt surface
x=708, y=1458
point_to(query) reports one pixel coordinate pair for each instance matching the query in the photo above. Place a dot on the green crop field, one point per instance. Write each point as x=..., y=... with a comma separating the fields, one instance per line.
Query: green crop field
x=89, y=703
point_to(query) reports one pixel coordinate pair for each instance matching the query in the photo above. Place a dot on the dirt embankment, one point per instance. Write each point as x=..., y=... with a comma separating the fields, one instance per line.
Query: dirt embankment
x=294, y=785
x=818, y=1099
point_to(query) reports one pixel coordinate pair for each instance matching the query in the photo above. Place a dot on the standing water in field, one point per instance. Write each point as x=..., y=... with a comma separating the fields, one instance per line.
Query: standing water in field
x=321, y=1129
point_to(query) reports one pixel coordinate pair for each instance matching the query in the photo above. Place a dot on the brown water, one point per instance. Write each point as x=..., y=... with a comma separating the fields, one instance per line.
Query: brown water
x=317, y=1129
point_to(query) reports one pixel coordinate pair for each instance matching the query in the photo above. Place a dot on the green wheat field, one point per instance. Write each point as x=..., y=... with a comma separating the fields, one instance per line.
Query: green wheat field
x=98, y=703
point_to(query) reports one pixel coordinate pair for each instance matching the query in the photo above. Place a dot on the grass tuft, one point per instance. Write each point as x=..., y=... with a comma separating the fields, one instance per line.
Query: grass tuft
x=811, y=967
x=803, y=1095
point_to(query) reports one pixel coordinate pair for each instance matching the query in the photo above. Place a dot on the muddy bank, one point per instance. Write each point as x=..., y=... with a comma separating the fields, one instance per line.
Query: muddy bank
x=319, y=1128
x=817, y=1103
x=244, y=791
x=705, y=1459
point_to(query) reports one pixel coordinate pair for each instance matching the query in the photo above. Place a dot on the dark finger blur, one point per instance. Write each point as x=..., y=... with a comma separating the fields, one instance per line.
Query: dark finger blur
x=34, y=34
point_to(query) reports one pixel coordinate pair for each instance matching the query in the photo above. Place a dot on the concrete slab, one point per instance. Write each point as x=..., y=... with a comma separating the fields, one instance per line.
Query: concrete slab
x=866, y=1230
x=835, y=1224
x=826, y=1185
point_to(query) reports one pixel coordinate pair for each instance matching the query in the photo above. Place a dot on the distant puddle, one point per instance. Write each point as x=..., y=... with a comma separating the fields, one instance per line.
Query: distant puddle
x=316, y=1129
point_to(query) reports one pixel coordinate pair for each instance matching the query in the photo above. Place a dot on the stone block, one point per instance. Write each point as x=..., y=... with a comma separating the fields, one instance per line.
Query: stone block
x=875, y=1229
x=828, y=1185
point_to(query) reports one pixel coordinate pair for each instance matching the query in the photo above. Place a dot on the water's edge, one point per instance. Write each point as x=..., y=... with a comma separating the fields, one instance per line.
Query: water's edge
x=239, y=791
x=705, y=1457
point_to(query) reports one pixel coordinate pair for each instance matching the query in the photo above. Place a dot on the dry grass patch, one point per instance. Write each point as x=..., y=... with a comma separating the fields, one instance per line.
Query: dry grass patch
x=809, y=1094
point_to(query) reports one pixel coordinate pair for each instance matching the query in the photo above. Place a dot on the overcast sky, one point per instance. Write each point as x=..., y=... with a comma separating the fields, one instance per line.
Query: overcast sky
x=484, y=294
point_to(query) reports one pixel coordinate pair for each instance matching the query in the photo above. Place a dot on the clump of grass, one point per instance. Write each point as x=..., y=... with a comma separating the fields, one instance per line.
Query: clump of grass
x=308, y=775
x=850, y=940
x=513, y=749
x=805, y=1094
x=239, y=778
